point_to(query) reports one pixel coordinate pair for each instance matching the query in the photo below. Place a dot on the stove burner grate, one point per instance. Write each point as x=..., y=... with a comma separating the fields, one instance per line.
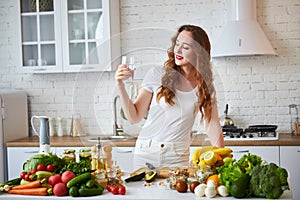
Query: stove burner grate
x=252, y=132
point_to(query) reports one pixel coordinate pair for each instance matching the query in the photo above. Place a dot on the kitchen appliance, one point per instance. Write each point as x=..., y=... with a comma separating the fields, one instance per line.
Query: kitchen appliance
x=226, y=120
x=77, y=126
x=242, y=35
x=13, y=123
x=253, y=132
x=43, y=133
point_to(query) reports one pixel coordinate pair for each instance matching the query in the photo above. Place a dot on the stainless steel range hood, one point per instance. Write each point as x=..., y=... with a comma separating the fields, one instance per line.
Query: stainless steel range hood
x=242, y=35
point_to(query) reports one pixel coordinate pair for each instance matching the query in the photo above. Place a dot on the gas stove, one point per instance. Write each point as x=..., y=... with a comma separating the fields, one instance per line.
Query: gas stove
x=253, y=132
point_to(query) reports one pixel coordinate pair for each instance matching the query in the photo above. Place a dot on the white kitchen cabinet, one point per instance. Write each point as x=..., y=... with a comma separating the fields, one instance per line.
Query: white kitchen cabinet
x=267, y=153
x=69, y=36
x=289, y=159
x=124, y=157
x=16, y=157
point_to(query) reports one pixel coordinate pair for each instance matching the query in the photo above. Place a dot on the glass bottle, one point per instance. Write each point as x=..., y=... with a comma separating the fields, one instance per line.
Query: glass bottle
x=295, y=125
x=99, y=165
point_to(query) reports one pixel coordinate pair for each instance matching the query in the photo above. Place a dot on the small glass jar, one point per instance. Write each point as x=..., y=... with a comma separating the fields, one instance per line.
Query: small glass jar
x=85, y=154
x=69, y=155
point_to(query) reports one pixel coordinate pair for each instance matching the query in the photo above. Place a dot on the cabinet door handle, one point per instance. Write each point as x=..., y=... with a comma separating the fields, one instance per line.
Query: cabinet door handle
x=298, y=151
x=39, y=69
x=31, y=151
x=241, y=151
x=87, y=68
x=128, y=151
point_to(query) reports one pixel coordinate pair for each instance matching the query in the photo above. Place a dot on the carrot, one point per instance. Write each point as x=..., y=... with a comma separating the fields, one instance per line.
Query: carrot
x=33, y=184
x=41, y=191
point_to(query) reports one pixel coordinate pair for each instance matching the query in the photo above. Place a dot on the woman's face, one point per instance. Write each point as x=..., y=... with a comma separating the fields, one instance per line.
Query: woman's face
x=183, y=49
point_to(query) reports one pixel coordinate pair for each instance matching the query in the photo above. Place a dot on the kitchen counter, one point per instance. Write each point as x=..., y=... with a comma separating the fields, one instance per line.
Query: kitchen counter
x=285, y=139
x=137, y=190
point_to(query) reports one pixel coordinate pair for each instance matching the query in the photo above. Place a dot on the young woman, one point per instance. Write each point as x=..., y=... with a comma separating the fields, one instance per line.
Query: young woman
x=173, y=95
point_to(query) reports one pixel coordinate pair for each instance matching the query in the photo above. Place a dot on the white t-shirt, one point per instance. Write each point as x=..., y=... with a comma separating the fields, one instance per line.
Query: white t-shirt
x=165, y=122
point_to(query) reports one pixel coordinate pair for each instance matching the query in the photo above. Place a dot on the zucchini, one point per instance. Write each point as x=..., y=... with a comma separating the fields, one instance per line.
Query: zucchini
x=79, y=179
x=136, y=177
x=84, y=192
x=149, y=177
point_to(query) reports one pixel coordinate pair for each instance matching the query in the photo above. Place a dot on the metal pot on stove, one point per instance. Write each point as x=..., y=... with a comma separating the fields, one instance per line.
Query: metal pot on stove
x=226, y=120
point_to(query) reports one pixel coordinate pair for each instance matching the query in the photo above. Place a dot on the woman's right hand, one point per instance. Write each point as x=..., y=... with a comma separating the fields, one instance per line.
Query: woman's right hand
x=123, y=73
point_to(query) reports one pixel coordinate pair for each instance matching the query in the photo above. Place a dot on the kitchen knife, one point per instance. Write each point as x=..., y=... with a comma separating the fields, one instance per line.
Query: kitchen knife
x=151, y=167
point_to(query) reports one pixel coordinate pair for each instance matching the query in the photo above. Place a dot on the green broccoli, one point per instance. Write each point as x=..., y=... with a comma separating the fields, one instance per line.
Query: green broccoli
x=268, y=181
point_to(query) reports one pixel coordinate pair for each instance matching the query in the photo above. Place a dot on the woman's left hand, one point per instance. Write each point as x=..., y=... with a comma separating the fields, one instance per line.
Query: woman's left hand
x=123, y=73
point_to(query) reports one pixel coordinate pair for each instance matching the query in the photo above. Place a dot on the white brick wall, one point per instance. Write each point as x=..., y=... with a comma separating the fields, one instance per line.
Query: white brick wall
x=257, y=89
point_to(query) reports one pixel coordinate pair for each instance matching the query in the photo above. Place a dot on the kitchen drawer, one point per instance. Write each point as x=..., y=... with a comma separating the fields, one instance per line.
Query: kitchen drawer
x=124, y=157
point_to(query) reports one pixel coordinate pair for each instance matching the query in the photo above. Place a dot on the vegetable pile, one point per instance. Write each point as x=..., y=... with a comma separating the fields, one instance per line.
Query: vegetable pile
x=251, y=177
x=44, y=159
x=48, y=174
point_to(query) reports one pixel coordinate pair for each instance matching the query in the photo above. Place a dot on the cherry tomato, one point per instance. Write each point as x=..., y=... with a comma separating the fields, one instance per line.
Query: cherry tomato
x=22, y=175
x=32, y=171
x=41, y=167
x=109, y=187
x=114, y=189
x=121, y=189
x=27, y=177
x=50, y=168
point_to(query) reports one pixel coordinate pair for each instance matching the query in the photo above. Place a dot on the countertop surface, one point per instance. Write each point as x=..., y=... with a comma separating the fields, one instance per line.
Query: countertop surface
x=284, y=139
x=137, y=190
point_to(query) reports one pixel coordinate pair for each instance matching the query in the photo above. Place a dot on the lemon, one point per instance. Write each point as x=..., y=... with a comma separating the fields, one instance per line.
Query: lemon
x=209, y=158
x=202, y=163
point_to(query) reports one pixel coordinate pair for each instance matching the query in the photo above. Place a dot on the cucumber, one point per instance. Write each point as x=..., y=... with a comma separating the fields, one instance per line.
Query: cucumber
x=84, y=192
x=12, y=182
x=90, y=183
x=73, y=191
x=136, y=177
x=79, y=179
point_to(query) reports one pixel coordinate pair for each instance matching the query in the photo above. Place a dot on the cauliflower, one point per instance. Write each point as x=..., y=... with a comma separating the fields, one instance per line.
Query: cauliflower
x=268, y=181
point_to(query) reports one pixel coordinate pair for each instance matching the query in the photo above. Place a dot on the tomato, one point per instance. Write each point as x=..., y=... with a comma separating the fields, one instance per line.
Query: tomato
x=114, y=189
x=27, y=177
x=121, y=189
x=50, y=168
x=109, y=187
x=41, y=167
x=32, y=171
x=22, y=175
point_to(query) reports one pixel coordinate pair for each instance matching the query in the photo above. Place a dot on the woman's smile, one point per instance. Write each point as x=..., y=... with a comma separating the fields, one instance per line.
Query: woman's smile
x=178, y=57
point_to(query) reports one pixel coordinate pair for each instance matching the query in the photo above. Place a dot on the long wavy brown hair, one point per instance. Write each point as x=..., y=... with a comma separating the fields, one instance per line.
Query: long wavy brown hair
x=203, y=72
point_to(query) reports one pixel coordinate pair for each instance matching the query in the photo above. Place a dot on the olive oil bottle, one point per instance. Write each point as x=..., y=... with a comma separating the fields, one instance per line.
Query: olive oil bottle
x=99, y=163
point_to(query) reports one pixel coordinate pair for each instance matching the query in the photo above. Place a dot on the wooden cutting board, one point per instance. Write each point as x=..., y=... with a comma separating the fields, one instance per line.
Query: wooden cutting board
x=163, y=172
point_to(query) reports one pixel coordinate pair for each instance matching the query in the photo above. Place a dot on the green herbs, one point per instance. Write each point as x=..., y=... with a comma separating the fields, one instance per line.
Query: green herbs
x=78, y=167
